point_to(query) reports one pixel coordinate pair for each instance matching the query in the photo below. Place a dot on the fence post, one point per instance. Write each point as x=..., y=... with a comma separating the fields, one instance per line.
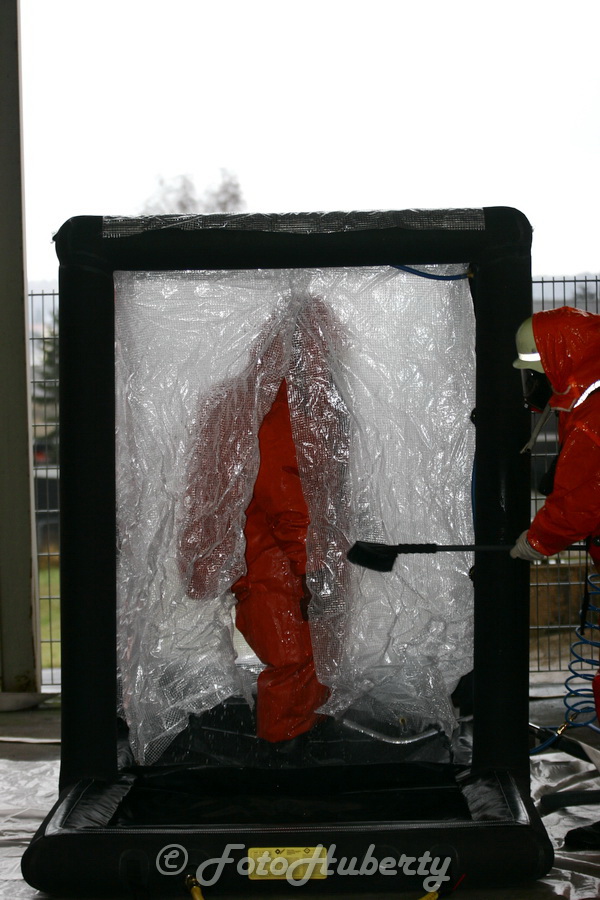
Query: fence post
x=19, y=668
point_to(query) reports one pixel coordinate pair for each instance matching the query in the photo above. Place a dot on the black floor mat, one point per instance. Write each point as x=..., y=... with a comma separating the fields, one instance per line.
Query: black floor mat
x=245, y=796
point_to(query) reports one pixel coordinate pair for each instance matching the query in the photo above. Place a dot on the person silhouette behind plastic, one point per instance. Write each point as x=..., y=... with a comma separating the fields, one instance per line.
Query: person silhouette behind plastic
x=272, y=596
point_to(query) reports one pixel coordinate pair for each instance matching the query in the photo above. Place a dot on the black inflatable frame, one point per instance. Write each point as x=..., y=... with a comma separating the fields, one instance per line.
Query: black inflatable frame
x=79, y=849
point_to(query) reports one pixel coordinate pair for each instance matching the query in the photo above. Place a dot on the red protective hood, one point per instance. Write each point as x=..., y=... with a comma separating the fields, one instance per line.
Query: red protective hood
x=568, y=341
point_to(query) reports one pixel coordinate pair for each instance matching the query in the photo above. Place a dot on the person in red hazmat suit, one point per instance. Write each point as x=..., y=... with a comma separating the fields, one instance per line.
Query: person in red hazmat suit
x=563, y=345
x=561, y=348
x=272, y=595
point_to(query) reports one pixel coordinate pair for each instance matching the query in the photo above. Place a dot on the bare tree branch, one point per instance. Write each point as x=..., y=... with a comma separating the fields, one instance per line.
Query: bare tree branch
x=178, y=196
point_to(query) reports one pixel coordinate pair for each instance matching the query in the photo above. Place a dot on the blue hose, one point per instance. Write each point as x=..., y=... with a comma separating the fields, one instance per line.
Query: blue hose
x=544, y=745
x=579, y=699
x=431, y=275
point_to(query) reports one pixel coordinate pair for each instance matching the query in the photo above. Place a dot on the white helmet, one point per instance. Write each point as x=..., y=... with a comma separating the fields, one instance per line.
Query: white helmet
x=528, y=354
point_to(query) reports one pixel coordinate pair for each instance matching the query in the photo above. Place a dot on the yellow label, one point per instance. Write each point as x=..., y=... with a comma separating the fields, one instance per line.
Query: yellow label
x=287, y=863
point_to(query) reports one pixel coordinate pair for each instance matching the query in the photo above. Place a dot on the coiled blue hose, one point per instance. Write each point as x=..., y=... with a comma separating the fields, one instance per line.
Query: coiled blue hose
x=579, y=699
x=579, y=696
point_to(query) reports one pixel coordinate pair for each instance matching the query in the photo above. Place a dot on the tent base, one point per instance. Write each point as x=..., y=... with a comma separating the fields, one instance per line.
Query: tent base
x=383, y=825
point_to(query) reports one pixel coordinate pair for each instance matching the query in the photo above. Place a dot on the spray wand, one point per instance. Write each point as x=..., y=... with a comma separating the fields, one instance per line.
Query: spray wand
x=381, y=557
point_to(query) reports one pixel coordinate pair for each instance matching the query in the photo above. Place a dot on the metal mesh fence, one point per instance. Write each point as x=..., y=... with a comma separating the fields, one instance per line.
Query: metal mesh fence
x=556, y=585
x=43, y=317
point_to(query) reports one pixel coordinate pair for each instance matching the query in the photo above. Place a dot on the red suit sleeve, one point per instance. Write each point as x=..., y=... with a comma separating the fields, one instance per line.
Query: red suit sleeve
x=572, y=511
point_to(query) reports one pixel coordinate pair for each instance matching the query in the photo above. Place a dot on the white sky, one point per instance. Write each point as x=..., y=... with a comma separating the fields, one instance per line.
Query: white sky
x=316, y=105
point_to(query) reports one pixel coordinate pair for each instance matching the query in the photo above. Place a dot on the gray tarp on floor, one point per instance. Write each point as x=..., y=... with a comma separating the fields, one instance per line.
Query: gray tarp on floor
x=28, y=789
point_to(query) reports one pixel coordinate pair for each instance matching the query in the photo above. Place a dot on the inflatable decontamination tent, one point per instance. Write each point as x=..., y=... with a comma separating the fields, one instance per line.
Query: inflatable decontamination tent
x=243, y=399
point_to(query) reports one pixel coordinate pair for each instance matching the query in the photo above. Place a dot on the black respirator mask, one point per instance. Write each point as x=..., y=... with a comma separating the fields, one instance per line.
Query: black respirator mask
x=537, y=390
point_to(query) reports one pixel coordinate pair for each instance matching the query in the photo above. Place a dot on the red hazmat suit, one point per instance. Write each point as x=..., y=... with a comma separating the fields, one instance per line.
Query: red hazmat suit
x=272, y=595
x=568, y=341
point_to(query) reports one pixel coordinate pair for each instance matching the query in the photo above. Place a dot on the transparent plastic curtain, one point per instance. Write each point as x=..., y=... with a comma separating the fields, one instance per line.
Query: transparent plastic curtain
x=379, y=365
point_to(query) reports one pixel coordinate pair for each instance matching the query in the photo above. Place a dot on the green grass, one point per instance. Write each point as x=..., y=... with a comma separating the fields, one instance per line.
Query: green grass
x=49, y=613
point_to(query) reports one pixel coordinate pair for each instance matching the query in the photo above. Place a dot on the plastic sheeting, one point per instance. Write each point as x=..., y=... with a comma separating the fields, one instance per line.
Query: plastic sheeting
x=27, y=792
x=28, y=789
x=379, y=364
